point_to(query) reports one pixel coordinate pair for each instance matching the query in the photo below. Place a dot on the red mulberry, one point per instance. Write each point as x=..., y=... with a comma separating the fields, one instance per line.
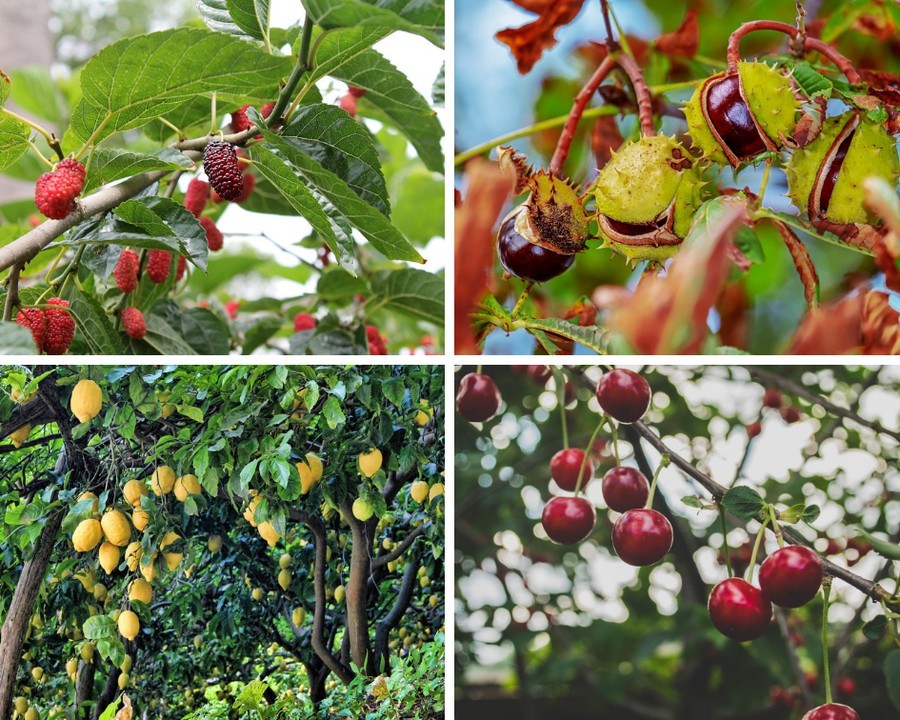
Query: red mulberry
x=196, y=196
x=60, y=327
x=33, y=319
x=304, y=321
x=126, y=271
x=134, y=323
x=214, y=237
x=222, y=168
x=55, y=192
x=159, y=265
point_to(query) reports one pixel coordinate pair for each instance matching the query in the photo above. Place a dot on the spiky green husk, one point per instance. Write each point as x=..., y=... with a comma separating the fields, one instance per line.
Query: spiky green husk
x=635, y=254
x=872, y=152
x=638, y=183
x=769, y=96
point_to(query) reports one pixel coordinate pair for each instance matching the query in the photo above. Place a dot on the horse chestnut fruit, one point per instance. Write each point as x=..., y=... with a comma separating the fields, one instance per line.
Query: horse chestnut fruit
x=734, y=117
x=524, y=258
x=646, y=197
x=825, y=177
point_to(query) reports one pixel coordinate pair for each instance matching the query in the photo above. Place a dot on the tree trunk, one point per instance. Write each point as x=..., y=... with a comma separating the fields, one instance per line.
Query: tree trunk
x=84, y=687
x=358, y=588
x=12, y=636
x=108, y=694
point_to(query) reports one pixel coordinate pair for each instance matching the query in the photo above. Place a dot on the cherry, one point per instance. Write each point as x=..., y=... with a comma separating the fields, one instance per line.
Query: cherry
x=478, y=398
x=568, y=520
x=624, y=395
x=783, y=697
x=846, y=687
x=526, y=260
x=738, y=610
x=564, y=467
x=790, y=414
x=772, y=399
x=791, y=576
x=642, y=537
x=625, y=488
x=754, y=429
x=832, y=711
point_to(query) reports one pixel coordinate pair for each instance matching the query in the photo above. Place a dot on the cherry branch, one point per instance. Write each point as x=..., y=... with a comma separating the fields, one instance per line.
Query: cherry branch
x=864, y=585
x=796, y=389
x=810, y=44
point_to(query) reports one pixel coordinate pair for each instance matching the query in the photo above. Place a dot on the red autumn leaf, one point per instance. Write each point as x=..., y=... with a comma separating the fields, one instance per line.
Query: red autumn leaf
x=667, y=315
x=487, y=189
x=733, y=305
x=684, y=41
x=605, y=139
x=594, y=53
x=883, y=85
x=529, y=42
x=803, y=262
x=880, y=325
x=833, y=329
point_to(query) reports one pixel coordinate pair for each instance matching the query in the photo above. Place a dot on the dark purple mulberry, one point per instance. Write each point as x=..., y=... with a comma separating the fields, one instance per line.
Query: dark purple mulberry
x=221, y=165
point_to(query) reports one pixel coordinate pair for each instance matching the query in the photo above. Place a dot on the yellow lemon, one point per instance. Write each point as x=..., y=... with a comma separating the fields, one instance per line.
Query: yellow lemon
x=284, y=579
x=315, y=465
x=173, y=559
x=258, y=594
x=133, y=491
x=86, y=400
x=149, y=570
x=425, y=414
x=123, y=680
x=109, y=557
x=140, y=590
x=21, y=705
x=339, y=594
x=307, y=478
x=214, y=543
x=370, y=462
x=87, y=535
x=126, y=664
x=71, y=667
x=298, y=616
x=284, y=562
x=163, y=480
x=129, y=625
x=187, y=485
x=436, y=491
x=251, y=509
x=37, y=673
x=87, y=652
x=419, y=491
x=133, y=555
x=19, y=436
x=140, y=518
x=90, y=496
x=362, y=509
x=116, y=528
x=32, y=714
x=268, y=533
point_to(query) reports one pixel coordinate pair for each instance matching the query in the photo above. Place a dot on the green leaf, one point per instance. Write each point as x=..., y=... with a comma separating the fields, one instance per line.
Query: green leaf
x=892, y=674
x=391, y=92
x=16, y=340
x=342, y=45
x=746, y=240
x=414, y=292
x=251, y=16
x=342, y=146
x=13, y=140
x=592, y=337
x=336, y=283
x=263, y=328
x=885, y=548
x=810, y=514
x=743, y=502
x=5, y=87
x=163, y=338
x=283, y=176
x=810, y=80
x=693, y=501
x=419, y=205
x=437, y=90
x=171, y=223
x=874, y=629
x=143, y=77
x=423, y=17
x=99, y=627
x=333, y=413
x=372, y=224
x=394, y=390
x=205, y=331
x=792, y=514
x=109, y=164
x=94, y=327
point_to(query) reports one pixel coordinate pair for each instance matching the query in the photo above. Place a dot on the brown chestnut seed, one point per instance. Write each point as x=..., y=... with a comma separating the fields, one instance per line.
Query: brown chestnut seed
x=827, y=176
x=731, y=121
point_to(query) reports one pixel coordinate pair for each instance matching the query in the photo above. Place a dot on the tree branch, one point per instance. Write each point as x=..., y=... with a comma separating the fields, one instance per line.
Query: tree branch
x=392, y=619
x=401, y=548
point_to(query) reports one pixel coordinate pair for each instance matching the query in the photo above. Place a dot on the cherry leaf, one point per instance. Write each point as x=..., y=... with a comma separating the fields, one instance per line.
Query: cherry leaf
x=743, y=502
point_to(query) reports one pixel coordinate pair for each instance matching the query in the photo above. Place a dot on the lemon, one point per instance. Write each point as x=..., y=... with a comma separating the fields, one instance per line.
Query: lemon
x=187, y=485
x=268, y=533
x=87, y=535
x=251, y=509
x=140, y=518
x=109, y=557
x=133, y=555
x=339, y=594
x=19, y=436
x=315, y=464
x=90, y=496
x=32, y=714
x=149, y=570
x=116, y=528
x=86, y=400
x=298, y=616
x=163, y=480
x=37, y=673
x=21, y=705
x=141, y=591
x=129, y=625
x=126, y=664
x=173, y=559
x=133, y=491
x=284, y=562
x=214, y=543
x=258, y=594
x=419, y=491
x=425, y=414
x=370, y=462
x=123, y=680
x=284, y=579
x=362, y=509
x=436, y=491
x=307, y=478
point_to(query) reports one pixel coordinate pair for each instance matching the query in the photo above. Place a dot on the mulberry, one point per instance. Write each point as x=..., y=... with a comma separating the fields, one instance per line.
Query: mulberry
x=304, y=321
x=33, y=319
x=55, y=192
x=126, y=271
x=376, y=342
x=134, y=323
x=196, y=196
x=60, y=327
x=239, y=119
x=222, y=168
x=214, y=237
x=181, y=269
x=159, y=265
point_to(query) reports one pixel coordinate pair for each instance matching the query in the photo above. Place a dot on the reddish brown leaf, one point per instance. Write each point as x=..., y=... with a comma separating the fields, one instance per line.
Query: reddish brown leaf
x=684, y=41
x=667, y=315
x=605, y=138
x=487, y=189
x=804, y=264
x=733, y=305
x=529, y=42
x=594, y=52
x=887, y=257
x=883, y=85
x=880, y=325
x=833, y=329
x=881, y=26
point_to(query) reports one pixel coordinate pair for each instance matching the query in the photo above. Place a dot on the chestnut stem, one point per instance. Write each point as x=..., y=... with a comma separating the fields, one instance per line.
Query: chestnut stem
x=611, y=42
x=810, y=44
x=641, y=92
x=581, y=101
x=522, y=298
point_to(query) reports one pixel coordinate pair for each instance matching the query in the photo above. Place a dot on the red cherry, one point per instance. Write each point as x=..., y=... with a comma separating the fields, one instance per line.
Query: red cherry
x=811, y=679
x=568, y=520
x=832, y=711
x=791, y=576
x=642, y=537
x=738, y=610
x=846, y=687
x=754, y=429
x=478, y=398
x=625, y=488
x=536, y=373
x=772, y=399
x=564, y=467
x=790, y=414
x=624, y=395
x=783, y=697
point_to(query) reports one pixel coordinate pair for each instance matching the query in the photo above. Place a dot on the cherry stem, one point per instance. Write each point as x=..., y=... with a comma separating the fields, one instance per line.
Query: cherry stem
x=726, y=551
x=587, y=451
x=759, y=536
x=826, y=670
x=810, y=44
x=578, y=106
x=478, y=369
x=777, y=530
x=663, y=462
x=522, y=298
x=560, y=381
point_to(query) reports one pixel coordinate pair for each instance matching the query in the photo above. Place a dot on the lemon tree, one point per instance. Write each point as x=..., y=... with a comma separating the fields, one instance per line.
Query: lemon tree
x=209, y=540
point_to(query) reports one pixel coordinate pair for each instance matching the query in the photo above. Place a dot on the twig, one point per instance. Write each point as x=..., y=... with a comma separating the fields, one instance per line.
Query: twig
x=12, y=291
x=792, y=656
x=611, y=41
